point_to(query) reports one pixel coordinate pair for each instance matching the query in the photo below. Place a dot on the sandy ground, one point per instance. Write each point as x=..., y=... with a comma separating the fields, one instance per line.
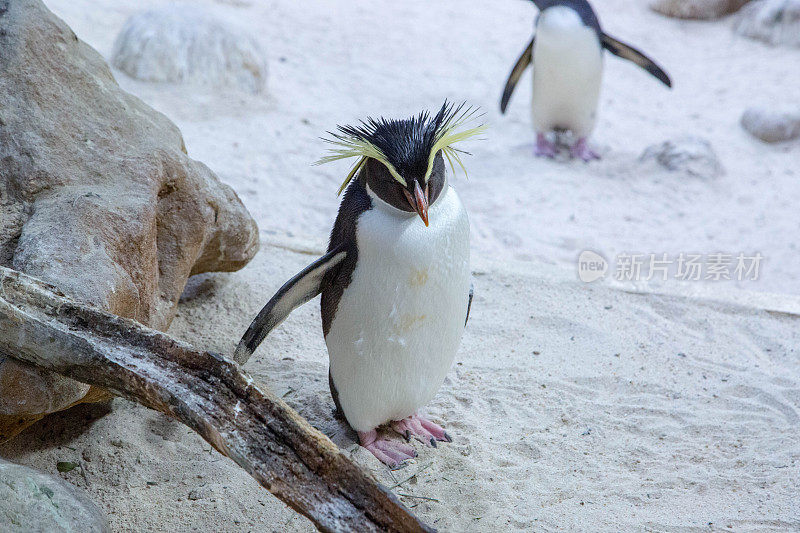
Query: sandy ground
x=573, y=406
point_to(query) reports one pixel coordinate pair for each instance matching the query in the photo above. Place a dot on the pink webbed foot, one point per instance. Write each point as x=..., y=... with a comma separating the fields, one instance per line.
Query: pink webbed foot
x=389, y=452
x=581, y=149
x=544, y=148
x=421, y=429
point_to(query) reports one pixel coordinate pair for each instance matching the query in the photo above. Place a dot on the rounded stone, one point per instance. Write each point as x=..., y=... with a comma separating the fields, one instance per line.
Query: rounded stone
x=182, y=43
x=772, y=126
x=696, y=9
x=775, y=22
x=33, y=501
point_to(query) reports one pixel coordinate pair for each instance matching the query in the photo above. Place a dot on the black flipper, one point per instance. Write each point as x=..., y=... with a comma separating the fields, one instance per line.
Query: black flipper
x=516, y=73
x=469, y=302
x=294, y=293
x=624, y=51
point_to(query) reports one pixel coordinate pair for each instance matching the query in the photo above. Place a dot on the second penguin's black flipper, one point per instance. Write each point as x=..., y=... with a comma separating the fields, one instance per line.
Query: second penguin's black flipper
x=294, y=293
x=516, y=73
x=630, y=53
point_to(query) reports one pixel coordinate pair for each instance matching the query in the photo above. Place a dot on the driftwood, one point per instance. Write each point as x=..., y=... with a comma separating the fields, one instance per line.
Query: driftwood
x=207, y=392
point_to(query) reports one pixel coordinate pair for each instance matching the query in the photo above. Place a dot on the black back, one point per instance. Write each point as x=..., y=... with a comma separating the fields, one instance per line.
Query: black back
x=355, y=202
x=343, y=236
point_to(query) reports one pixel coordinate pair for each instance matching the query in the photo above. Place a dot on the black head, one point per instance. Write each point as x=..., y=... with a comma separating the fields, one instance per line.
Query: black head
x=582, y=7
x=402, y=161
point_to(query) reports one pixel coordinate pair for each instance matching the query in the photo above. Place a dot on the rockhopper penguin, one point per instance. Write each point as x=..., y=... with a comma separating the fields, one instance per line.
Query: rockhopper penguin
x=395, y=281
x=567, y=56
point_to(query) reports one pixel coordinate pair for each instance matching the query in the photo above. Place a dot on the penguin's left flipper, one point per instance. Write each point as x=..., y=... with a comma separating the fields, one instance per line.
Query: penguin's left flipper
x=469, y=302
x=630, y=53
x=516, y=73
x=294, y=293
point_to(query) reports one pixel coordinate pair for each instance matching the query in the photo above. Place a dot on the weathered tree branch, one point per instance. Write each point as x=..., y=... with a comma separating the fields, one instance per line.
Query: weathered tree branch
x=207, y=392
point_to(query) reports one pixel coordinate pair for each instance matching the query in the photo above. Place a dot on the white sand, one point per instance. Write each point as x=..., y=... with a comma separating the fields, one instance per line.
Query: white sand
x=573, y=406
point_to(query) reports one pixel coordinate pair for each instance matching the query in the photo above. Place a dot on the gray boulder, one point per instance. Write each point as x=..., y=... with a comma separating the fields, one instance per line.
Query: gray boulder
x=772, y=126
x=696, y=9
x=97, y=196
x=184, y=43
x=776, y=22
x=32, y=502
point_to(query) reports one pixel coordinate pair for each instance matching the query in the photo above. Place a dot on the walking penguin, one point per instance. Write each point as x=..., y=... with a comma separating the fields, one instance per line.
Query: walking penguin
x=566, y=52
x=395, y=281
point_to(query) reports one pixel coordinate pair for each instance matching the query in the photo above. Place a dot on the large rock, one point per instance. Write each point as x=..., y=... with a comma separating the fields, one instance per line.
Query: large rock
x=97, y=195
x=184, y=43
x=775, y=22
x=31, y=501
x=772, y=126
x=692, y=156
x=697, y=9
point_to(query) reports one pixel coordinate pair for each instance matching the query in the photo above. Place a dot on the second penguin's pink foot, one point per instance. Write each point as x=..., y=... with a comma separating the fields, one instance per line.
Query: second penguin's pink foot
x=390, y=452
x=421, y=429
x=544, y=148
x=581, y=149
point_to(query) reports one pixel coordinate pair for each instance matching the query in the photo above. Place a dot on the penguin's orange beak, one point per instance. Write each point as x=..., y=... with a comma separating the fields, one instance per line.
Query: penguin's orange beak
x=419, y=201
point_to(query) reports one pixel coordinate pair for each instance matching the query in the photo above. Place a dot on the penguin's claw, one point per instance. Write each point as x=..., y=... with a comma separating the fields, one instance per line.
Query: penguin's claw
x=545, y=148
x=389, y=452
x=422, y=429
x=581, y=149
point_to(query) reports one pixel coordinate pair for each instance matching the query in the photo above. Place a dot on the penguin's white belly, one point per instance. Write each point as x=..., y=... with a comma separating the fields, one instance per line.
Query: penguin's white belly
x=567, y=71
x=398, y=324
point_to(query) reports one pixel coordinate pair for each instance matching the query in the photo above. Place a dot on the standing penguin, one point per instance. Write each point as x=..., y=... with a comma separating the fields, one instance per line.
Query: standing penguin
x=395, y=281
x=567, y=53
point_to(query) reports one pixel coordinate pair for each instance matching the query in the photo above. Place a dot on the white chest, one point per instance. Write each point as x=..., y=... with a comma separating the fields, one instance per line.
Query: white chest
x=567, y=71
x=399, y=323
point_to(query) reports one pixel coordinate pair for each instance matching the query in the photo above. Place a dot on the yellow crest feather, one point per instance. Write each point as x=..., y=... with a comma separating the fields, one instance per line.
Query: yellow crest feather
x=449, y=136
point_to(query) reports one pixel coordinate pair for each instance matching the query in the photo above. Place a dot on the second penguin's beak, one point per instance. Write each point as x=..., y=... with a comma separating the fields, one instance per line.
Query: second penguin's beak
x=420, y=202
